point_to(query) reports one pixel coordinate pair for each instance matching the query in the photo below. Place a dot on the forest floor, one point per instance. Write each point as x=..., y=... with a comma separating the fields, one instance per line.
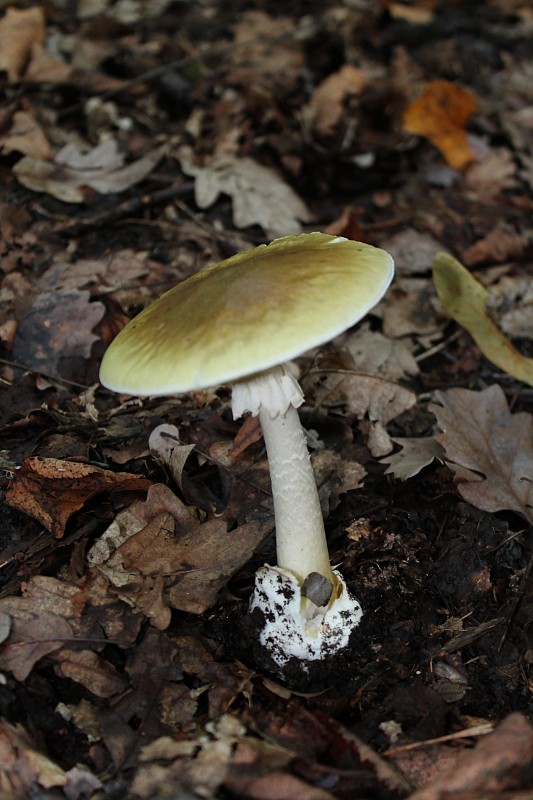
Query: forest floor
x=140, y=141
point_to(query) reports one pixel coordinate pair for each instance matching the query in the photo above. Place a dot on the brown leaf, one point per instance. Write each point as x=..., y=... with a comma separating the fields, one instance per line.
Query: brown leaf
x=59, y=324
x=91, y=671
x=276, y=785
x=499, y=762
x=327, y=105
x=161, y=538
x=20, y=29
x=500, y=244
x=249, y=433
x=480, y=433
x=22, y=767
x=33, y=636
x=51, y=490
x=25, y=136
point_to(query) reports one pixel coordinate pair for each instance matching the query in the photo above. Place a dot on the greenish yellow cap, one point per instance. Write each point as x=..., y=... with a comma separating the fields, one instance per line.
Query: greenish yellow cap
x=247, y=314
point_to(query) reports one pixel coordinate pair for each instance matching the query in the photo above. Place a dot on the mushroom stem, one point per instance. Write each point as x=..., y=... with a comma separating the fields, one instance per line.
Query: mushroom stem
x=300, y=536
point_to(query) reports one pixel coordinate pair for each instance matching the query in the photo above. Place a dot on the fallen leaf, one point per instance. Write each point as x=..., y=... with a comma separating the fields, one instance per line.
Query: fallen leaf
x=59, y=324
x=373, y=400
x=160, y=537
x=415, y=454
x=115, y=270
x=259, y=195
x=91, y=671
x=500, y=244
x=440, y=113
x=495, y=173
x=25, y=136
x=51, y=490
x=410, y=308
x=413, y=251
x=465, y=300
x=499, y=762
x=335, y=476
x=374, y=354
x=23, y=769
x=71, y=172
x=510, y=301
x=327, y=105
x=480, y=433
x=265, y=44
x=43, y=67
x=20, y=29
x=33, y=636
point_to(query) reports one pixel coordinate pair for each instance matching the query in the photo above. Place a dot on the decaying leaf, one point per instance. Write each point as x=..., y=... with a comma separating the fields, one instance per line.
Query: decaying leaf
x=23, y=769
x=440, y=114
x=160, y=538
x=71, y=172
x=510, y=300
x=465, y=300
x=500, y=244
x=91, y=671
x=480, y=433
x=410, y=309
x=259, y=195
x=25, y=136
x=415, y=454
x=33, y=636
x=499, y=762
x=164, y=441
x=371, y=399
x=335, y=476
x=51, y=490
x=327, y=104
x=378, y=355
x=59, y=324
x=20, y=29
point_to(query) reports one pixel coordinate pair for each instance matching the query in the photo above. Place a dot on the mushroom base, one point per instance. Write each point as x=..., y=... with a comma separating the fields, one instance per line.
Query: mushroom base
x=294, y=626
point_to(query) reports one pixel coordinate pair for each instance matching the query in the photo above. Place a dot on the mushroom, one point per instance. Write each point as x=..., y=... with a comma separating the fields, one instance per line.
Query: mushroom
x=239, y=322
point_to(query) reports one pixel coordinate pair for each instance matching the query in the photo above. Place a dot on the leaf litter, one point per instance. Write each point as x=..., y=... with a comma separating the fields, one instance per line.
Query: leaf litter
x=127, y=566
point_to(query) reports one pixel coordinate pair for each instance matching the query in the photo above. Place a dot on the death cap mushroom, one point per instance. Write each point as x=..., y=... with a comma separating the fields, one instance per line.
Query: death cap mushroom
x=246, y=314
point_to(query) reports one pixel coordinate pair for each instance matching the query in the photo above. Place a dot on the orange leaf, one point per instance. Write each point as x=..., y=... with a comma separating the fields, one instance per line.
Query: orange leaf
x=440, y=114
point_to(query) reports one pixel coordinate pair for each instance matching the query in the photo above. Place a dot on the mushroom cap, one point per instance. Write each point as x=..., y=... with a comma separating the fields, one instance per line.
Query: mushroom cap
x=247, y=314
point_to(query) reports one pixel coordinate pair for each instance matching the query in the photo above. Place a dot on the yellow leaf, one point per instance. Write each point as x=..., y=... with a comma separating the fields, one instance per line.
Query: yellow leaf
x=465, y=300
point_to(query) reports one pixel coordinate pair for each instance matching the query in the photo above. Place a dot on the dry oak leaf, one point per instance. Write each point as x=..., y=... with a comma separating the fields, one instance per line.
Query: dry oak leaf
x=415, y=454
x=480, y=434
x=259, y=194
x=72, y=172
x=51, y=490
x=440, y=114
x=160, y=539
x=20, y=29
